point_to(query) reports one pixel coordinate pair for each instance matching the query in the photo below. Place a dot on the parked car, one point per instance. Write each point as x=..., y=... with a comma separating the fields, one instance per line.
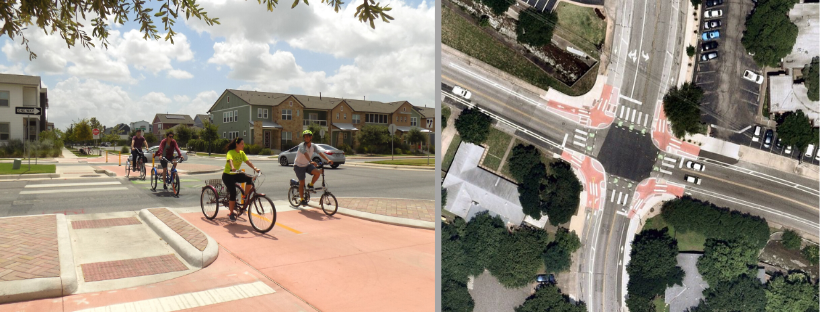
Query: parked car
x=154, y=149
x=708, y=56
x=756, y=136
x=768, y=138
x=695, y=166
x=713, y=13
x=788, y=150
x=692, y=179
x=336, y=155
x=545, y=278
x=712, y=3
x=778, y=143
x=810, y=150
x=461, y=92
x=711, y=45
x=753, y=77
x=711, y=24
x=711, y=35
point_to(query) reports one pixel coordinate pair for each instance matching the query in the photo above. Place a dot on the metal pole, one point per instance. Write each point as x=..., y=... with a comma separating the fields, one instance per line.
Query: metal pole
x=391, y=147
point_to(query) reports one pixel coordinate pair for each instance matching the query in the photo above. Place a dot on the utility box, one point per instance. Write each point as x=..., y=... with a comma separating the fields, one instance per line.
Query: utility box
x=17, y=163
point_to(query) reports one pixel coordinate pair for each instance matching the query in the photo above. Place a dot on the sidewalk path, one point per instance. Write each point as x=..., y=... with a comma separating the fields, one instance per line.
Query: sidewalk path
x=403, y=208
x=68, y=154
x=28, y=248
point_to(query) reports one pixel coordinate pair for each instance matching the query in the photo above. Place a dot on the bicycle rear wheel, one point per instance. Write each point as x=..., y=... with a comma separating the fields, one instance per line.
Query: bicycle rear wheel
x=293, y=196
x=154, y=179
x=142, y=170
x=128, y=168
x=262, y=214
x=175, y=184
x=329, y=204
x=209, y=201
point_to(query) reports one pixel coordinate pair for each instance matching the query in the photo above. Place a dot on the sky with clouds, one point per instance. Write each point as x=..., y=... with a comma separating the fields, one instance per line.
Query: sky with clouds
x=304, y=50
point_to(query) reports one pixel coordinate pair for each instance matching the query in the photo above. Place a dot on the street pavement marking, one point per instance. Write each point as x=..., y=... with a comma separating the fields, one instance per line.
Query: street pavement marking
x=630, y=99
x=287, y=228
x=623, y=214
x=581, y=131
x=72, y=184
x=639, y=116
x=90, y=189
x=632, y=120
x=582, y=138
x=670, y=159
x=626, y=199
x=612, y=198
x=620, y=195
x=622, y=113
x=645, y=119
x=755, y=189
x=564, y=143
x=191, y=300
x=665, y=171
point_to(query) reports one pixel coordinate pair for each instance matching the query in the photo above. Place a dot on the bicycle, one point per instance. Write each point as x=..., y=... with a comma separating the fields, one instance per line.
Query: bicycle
x=171, y=176
x=140, y=165
x=215, y=193
x=327, y=201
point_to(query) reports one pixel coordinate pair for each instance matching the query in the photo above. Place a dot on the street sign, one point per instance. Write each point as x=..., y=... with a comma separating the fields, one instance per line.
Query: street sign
x=96, y=133
x=27, y=110
x=391, y=128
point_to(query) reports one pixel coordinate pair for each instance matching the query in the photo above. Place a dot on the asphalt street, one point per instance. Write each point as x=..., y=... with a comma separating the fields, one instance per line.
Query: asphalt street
x=111, y=194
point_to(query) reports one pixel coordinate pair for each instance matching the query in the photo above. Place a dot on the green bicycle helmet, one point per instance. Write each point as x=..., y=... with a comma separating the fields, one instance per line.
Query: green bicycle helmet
x=307, y=132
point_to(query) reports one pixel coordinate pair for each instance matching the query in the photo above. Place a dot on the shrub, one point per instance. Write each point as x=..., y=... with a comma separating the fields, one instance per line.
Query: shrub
x=397, y=151
x=791, y=240
x=810, y=252
x=266, y=151
x=347, y=149
x=125, y=150
x=690, y=50
x=252, y=149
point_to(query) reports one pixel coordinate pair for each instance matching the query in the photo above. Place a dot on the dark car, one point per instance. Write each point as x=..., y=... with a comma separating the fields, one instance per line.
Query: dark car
x=711, y=45
x=708, y=56
x=711, y=3
x=767, y=140
x=545, y=279
x=711, y=24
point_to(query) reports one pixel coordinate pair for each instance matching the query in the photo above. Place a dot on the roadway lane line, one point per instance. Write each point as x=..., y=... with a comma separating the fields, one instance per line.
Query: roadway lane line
x=751, y=205
x=753, y=189
x=640, y=49
x=564, y=143
x=763, y=176
x=90, y=189
x=630, y=99
x=72, y=184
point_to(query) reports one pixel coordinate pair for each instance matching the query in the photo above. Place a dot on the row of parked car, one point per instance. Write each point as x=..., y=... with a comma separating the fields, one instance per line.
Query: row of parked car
x=768, y=138
x=711, y=33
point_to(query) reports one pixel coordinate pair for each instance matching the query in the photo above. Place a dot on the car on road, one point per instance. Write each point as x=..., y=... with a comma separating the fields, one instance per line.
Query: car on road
x=692, y=179
x=713, y=13
x=711, y=35
x=810, y=150
x=756, y=137
x=753, y=77
x=712, y=3
x=711, y=45
x=705, y=57
x=545, y=278
x=711, y=24
x=336, y=155
x=462, y=93
x=767, y=139
x=788, y=150
x=695, y=166
x=153, y=150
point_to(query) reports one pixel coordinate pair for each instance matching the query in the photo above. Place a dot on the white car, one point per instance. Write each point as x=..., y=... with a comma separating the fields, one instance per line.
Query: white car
x=695, y=166
x=461, y=92
x=788, y=150
x=713, y=13
x=692, y=179
x=753, y=77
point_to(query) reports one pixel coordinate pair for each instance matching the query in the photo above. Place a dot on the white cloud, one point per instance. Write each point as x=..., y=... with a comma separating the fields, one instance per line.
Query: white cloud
x=153, y=55
x=199, y=105
x=179, y=74
x=249, y=19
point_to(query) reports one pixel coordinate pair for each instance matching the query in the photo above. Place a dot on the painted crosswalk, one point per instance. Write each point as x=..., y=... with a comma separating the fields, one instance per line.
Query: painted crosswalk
x=630, y=113
x=622, y=198
x=582, y=139
x=55, y=188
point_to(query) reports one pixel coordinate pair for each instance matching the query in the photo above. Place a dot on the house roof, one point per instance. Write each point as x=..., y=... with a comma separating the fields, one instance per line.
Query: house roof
x=373, y=106
x=267, y=124
x=20, y=79
x=175, y=118
x=203, y=116
x=786, y=96
x=344, y=126
x=427, y=112
x=315, y=102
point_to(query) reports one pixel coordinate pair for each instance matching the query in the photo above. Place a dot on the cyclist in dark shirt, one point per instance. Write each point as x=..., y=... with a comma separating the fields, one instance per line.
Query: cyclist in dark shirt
x=137, y=142
x=168, y=145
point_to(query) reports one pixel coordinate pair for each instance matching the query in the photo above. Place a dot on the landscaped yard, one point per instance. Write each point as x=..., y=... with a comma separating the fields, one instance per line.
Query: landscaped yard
x=544, y=159
x=498, y=142
x=690, y=241
x=24, y=169
x=447, y=160
x=660, y=306
x=581, y=26
x=408, y=162
x=468, y=38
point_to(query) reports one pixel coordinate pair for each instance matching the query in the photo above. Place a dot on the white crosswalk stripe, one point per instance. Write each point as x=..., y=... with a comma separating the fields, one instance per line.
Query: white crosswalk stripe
x=54, y=188
x=626, y=199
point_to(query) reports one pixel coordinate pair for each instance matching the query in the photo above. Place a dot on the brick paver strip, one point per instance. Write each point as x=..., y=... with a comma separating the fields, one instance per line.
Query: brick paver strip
x=404, y=208
x=28, y=248
x=184, y=229
x=101, y=223
x=101, y=271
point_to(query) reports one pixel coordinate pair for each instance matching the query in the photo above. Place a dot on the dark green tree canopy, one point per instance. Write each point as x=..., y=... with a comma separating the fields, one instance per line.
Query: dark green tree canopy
x=688, y=214
x=791, y=240
x=810, y=252
x=63, y=17
x=738, y=295
x=455, y=297
x=558, y=256
x=652, y=267
x=770, y=34
x=535, y=28
x=519, y=257
x=482, y=240
x=795, y=129
x=498, y=6
x=726, y=260
x=682, y=108
x=473, y=126
x=792, y=293
x=522, y=159
x=373, y=135
x=550, y=298
x=811, y=77
x=561, y=195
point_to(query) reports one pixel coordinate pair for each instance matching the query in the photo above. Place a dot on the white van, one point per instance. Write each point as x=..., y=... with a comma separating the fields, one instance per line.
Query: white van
x=756, y=137
x=810, y=151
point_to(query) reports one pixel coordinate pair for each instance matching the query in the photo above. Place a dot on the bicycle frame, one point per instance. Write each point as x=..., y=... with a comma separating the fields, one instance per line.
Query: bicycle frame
x=169, y=173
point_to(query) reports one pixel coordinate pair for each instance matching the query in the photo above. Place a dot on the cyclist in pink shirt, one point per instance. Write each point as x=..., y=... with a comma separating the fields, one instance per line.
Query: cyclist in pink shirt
x=168, y=145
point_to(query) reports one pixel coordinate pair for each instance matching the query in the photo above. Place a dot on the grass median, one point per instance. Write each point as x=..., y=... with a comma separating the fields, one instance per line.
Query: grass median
x=580, y=26
x=407, y=162
x=6, y=169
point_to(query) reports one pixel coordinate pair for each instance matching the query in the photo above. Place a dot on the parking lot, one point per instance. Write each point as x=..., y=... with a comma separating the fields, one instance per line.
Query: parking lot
x=730, y=101
x=747, y=138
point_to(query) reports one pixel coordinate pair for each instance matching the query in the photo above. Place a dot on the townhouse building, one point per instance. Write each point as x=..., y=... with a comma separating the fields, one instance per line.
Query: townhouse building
x=164, y=122
x=143, y=125
x=25, y=92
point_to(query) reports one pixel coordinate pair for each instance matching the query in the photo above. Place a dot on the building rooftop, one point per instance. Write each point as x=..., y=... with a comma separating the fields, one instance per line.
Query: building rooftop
x=314, y=102
x=807, y=18
x=20, y=79
x=175, y=118
x=785, y=96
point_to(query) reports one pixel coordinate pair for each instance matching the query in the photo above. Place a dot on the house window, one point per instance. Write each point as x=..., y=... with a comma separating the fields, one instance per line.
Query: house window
x=287, y=139
x=404, y=109
x=244, y=133
x=337, y=115
x=229, y=99
x=343, y=108
x=290, y=103
x=287, y=114
x=297, y=113
x=313, y=116
x=262, y=113
x=236, y=115
x=414, y=122
x=4, y=99
x=223, y=135
x=4, y=131
x=376, y=118
x=345, y=135
x=224, y=117
x=356, y=119
x=345, y=115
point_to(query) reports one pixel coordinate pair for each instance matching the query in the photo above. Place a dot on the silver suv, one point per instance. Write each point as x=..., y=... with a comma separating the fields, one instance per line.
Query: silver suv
x=336, y=155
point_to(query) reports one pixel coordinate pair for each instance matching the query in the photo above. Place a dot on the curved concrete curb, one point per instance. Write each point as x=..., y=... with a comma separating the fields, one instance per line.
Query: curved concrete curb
x=378, y=166
x=30, y=176
x=191, y=254
x=48, y=287
x=381, y=218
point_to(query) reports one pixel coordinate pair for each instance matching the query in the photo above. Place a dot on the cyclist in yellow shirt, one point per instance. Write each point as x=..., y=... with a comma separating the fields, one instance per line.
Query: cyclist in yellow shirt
x=231, y=175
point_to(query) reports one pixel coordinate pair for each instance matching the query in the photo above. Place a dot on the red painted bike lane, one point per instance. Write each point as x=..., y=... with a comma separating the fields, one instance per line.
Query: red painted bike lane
x=651, y=188
x=592, y=177
x=599, y=116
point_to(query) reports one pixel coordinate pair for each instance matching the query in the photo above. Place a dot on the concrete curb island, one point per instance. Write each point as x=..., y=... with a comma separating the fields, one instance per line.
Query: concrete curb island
x=380, y=218
x=191, y=254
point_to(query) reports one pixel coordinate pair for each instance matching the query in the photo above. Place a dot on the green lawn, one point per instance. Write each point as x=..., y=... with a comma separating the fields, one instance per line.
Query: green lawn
x=544, y=159
x=407, y=162
x=498, y=141
x=24, y=169
x=581, y=26
x=468, y=38
x=689, y=241
x=78, y=154
x=451, y=153
x=660, y=306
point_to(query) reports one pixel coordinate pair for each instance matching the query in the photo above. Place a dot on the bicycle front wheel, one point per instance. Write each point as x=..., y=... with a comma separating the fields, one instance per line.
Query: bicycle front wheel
x=142, y=171
x=154, y=179
x=209, y=202
x=127, y=168
x=293, y=196
x=329, y=204
x=175, y=184
x=262, y=214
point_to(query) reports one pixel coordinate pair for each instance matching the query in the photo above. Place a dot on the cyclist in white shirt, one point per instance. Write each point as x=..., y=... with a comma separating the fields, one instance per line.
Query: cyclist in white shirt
x=303, y=164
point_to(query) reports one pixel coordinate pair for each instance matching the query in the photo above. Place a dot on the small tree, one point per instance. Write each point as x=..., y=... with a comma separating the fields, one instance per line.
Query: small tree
x=415, y=137
x=810, y=252
x=372, y=136
x=209, y=135
x=696, y=3
x=682, y=108
x=550, y=298
x=791, y=240
x=82, y=131
x=445, y=114
x=796, y=130
x=523, y=158
x=561, y=195
x=498, y=6
x=811, y=77
x=150, y=138
x=317, y=133
x=535, y=28
x=473, y=126
x=690, y=50
x=183, y=134
x=770, y=34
